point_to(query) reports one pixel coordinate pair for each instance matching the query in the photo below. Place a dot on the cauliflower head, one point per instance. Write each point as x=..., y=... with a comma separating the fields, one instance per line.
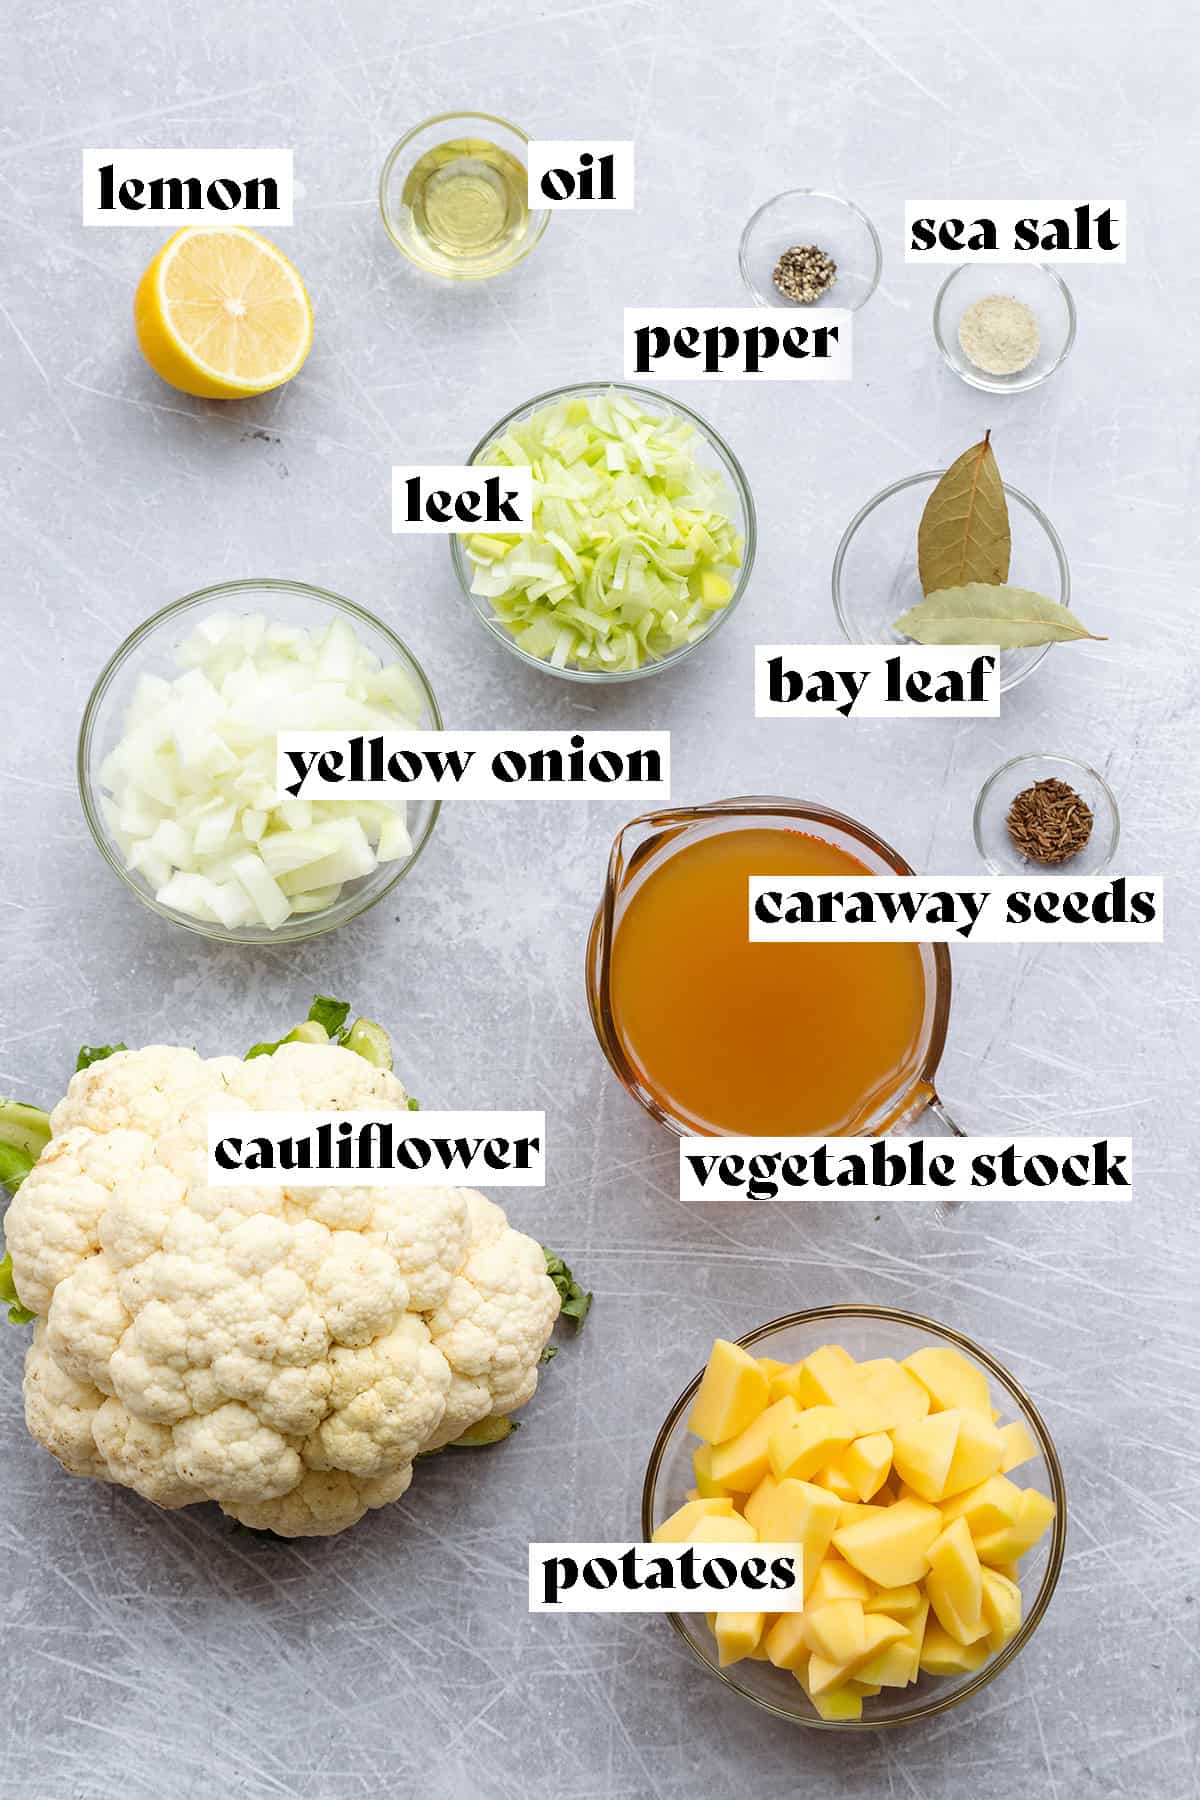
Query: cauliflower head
x=286, y=1352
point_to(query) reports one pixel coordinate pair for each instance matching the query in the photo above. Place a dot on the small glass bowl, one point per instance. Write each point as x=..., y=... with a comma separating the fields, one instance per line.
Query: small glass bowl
x=1012, y=778
x=149, y=649
x=1043, y=291
x=866, y=1332
x=875, y=576
x=807, y=216
x=743, y=517
x=444, y=128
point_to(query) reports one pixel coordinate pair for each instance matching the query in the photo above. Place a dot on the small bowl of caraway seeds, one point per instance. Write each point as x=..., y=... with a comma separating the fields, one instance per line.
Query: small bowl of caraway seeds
x=1042, y=815
x=1004, y=327
x=805, y=248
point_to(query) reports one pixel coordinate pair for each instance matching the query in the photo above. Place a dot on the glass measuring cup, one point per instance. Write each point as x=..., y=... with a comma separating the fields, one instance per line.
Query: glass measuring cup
x=644, y=845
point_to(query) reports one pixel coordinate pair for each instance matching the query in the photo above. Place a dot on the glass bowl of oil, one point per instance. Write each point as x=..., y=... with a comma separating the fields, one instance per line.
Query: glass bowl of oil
x=454, y=194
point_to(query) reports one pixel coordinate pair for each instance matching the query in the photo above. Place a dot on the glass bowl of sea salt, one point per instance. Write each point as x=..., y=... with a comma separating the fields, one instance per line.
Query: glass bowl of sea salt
x=981, y=351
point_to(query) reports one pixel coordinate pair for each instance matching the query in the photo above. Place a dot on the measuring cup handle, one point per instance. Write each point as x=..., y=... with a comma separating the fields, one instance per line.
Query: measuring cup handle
x=946, y=1126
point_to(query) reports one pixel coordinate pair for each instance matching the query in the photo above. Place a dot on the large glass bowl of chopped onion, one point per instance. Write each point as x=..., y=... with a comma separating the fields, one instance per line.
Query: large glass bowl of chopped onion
x=176, y=761
x=643, y=534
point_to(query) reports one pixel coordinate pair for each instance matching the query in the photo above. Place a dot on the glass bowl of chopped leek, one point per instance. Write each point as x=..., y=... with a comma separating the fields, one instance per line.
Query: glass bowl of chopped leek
x=805, y=218
x=878, y=1339
x=876, y=580
x=176, y=761
x=1067, y=821
x=643, y=534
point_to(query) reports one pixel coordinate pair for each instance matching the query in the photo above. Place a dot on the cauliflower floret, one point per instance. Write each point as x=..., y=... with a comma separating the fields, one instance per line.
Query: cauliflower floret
x=323, y=1501
x=142, y=1456
x=498, y=1307
x=76, y=1176
x=385, y=1401
x=286, y=1352
x=230, y=1455
x=60, y=1411
x=427, y=1230
x=86, y=1322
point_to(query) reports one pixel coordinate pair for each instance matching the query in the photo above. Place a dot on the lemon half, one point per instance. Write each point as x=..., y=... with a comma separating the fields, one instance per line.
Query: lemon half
x=222, y=313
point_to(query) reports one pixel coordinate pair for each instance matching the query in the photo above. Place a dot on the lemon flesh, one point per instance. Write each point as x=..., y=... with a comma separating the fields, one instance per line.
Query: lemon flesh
x=222, y=313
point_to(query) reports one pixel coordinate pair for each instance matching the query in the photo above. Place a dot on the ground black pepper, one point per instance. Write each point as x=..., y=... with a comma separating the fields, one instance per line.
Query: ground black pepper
x=804, y=273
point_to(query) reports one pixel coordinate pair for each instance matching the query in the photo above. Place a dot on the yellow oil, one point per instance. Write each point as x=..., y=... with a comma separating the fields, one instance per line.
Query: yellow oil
x=466, y=206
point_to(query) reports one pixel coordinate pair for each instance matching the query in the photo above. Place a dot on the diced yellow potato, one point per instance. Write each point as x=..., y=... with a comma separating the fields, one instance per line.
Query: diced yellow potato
x=899, y=1663
x=899, y=1396
x=837, y=1484
x=836, y=1580
x=894, y=1666
x=991, y=1506
x=943, y=1655
x=868, y=1689
x=678, y=1527
x=891, y=1547
x=1012, y=1541
x=1019, y=1446
x=879, y=1631
x=1001, y=1608
x=898, y=1602
x=801, y=1444
x=955, y=1584
x=770, y=1365
x=722, y=1528
x=867, y=1461
x=978, y=1453
x=740, y=1463
x=923, y=1451
x=874, y=1363
x=737, y=1635
x=949, y=1379
x=837, y=1703
x=836, y=1630
x=837, y=1481
x=799, y=1513
x=706, y=1487
x=821, y=1676
x=830, y=1377
x=754, y=1503
x=888, y=1494
x=732, y=1391
x=785, y=1642
x=852, y=1510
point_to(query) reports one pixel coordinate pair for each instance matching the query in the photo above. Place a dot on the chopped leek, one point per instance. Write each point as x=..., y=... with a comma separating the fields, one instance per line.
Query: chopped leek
x=634, y=551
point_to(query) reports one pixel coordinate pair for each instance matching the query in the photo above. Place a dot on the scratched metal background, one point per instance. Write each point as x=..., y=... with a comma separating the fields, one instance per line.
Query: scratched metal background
x=147, y=1655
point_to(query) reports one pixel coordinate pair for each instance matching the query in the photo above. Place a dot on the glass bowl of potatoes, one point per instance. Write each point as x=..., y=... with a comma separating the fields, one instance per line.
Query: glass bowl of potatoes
x=922, y=1484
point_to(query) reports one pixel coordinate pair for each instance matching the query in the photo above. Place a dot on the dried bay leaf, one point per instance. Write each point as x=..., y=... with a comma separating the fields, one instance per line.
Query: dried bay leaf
x=964, y=533
x=984, y=612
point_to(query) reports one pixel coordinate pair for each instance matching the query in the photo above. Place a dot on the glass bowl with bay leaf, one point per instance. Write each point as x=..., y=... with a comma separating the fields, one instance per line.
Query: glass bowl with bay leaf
x=928, y=561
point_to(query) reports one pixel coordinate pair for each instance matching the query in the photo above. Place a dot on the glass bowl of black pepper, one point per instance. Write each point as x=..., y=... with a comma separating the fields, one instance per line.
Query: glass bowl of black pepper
x=791, y=241
x=1042, y=814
